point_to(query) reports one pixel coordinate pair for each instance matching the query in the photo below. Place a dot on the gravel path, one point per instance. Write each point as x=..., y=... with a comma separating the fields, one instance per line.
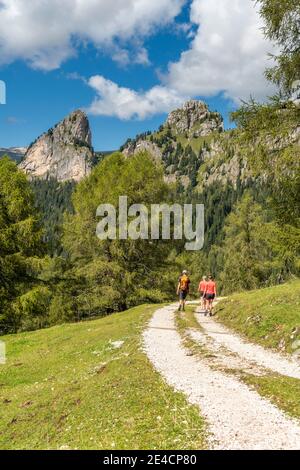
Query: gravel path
x=222, y=358
x=238, y=418
x=252, y=352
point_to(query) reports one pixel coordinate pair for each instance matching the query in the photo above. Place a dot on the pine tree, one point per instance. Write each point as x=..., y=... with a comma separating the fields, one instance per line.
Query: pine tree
x=111, y=275
x=20, y=244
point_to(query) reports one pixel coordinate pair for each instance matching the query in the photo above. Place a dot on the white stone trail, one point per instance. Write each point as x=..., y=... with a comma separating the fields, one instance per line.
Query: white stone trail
x=237, y=417
x=252, y=352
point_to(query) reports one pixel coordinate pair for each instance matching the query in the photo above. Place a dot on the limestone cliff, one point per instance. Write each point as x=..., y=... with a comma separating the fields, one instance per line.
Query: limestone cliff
x=64, y=152
x=194, y=119
x=144, y=146
x=190, y=136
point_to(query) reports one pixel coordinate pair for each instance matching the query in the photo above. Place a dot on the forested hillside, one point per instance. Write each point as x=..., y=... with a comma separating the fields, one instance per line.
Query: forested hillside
x=52, y=200
x=54, y=269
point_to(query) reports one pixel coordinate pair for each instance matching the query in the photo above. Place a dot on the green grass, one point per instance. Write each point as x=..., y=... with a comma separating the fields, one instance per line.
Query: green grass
x=270, y=317
x=195, y=142
x=284, y=392
x=187, y=321
x=68, y=387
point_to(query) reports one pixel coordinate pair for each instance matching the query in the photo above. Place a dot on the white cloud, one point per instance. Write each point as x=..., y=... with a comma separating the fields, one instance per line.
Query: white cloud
x=228, y=54
x=45, y=33
x=142, y=57
x=124, y=58
x=124, y=103
x=121, y=56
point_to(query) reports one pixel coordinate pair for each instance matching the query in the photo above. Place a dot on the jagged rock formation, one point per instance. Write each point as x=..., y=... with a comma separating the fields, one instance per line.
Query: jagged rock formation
x=143, y=146
x=191, y=136
x=64, y=152
x=223, y=163
x=194, y=119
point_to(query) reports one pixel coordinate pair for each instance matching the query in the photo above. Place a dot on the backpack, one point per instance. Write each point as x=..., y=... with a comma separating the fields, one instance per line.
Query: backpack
x=184, y=282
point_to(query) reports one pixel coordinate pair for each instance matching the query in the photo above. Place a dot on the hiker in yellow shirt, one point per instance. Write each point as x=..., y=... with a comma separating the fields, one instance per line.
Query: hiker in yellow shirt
x=183, y=289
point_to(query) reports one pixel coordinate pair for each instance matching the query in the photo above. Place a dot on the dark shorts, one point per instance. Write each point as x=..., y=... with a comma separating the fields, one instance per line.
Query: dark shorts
x=183, y=294
x=209, y=296
x=201, y=293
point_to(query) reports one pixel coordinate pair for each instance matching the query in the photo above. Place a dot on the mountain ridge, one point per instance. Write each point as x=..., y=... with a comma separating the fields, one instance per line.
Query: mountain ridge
x=191, y=140
x=65, y=151
x=191, y=144
x=16, y=153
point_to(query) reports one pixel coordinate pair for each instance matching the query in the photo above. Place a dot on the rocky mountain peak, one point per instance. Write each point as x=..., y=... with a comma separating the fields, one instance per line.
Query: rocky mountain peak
x=74, y=128
x=194, y=119
x=64, y=152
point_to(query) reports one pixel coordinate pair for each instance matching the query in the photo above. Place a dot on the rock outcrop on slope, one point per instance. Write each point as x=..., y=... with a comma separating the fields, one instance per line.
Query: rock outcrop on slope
x=189, y=137
x=223, y=163
x=64, y=152
x=144, y=146
x=195, y=120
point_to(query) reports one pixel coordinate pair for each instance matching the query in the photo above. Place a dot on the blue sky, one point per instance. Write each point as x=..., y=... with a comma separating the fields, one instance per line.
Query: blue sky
x=128, y=71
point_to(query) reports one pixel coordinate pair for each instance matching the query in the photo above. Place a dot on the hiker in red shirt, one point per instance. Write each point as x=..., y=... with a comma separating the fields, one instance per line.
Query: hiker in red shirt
x=210, y=294
x=201, y=289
